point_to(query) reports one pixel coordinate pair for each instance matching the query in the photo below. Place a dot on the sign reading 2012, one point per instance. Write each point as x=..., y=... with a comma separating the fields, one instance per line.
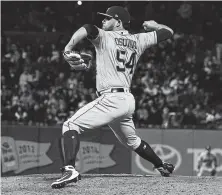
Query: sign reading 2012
x=26, y=149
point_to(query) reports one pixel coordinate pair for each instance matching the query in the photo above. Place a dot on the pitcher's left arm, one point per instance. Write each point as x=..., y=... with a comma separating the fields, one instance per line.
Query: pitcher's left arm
x=163, y=32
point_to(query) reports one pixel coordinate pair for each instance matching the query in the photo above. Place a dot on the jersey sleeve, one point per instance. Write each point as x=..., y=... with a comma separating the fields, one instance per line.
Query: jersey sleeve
x=99, y=41
x=146, y=40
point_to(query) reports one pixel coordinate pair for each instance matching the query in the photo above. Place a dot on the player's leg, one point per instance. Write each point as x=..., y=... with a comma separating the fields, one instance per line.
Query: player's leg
x=201, y=170
x=213, y=172
x=70, y=146
x=125, y=131
x=93, y=115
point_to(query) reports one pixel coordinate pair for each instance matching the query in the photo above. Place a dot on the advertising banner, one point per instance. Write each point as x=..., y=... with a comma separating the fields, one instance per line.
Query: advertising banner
x=180, y=147
x=19, y=156
x=29, y=150
x=100, y=152
x=93, y=156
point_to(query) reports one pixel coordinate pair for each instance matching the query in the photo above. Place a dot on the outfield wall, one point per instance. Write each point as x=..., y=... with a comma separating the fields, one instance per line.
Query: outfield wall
x=29, y=150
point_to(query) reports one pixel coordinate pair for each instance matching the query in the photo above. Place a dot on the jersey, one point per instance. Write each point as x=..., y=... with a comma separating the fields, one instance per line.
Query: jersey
x=117, y=54
x=207, y=160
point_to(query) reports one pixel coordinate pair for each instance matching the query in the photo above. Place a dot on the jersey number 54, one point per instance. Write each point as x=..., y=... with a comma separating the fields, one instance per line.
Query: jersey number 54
x=121, y=56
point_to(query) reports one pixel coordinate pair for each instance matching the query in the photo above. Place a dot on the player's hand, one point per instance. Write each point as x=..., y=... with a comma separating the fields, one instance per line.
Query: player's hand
x=72, y=56
x=78, y=61
x=150, y=25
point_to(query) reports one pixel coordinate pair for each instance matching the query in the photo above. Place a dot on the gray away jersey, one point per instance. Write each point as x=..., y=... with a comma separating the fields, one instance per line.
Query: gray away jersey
x=117, y=54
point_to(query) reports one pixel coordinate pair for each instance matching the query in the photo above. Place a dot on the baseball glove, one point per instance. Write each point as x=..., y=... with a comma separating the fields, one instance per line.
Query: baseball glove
x=78, y=61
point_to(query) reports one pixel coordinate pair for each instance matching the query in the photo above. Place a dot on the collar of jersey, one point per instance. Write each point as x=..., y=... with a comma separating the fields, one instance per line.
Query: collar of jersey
x=122, y=32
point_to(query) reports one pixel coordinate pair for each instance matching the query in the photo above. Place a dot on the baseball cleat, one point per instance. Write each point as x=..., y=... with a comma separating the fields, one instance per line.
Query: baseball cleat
x=69, y=175
x=166, y=169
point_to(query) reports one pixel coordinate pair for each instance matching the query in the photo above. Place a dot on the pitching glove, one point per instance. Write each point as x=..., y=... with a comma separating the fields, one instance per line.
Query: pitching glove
x=77, y=61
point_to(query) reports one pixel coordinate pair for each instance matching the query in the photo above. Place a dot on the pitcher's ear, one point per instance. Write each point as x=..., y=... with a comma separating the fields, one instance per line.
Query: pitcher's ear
x=119, y=22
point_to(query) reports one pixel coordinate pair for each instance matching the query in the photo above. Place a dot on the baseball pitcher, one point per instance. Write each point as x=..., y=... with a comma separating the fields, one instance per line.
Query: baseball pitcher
x=117, y=54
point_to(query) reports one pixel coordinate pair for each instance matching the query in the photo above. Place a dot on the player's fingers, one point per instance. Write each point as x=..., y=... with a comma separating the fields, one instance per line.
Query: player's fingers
x=84, y=64
x=65, y=56
x=144, y=23
x=76, y=62
x=71, y=55
x=86, y=56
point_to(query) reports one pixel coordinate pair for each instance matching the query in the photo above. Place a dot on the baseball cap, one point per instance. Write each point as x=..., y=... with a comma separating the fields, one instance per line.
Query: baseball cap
x=118, y=13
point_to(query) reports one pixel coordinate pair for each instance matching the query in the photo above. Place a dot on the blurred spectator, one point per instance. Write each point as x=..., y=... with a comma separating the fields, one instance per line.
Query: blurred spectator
x=42, y=53
x=199, y=113
x=82, y=101
x=189, y=118
x=165, y=117
x=55, y=53
x=175, y=120
x=166, y=89
x=154, y=114
x=172, y=100
x=8, y=112
x=71, y=113
x=61, y=115
x=72, y=81
x=49, y=118
x=72, y=99
x=160, y=101
x=25, y=79
x=36, y=114
x=60, y=81
x=21, y=115
x=178, y=82
x=14, y=54
x=175, y=83
x=185, y=10
x=142, y=115
x=26, y=99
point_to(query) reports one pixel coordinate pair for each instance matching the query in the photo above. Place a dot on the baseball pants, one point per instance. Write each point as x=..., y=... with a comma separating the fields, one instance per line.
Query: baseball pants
x=113, y=109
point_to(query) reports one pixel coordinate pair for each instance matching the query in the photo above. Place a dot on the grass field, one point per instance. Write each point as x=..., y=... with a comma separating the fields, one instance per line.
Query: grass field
x=113, y=184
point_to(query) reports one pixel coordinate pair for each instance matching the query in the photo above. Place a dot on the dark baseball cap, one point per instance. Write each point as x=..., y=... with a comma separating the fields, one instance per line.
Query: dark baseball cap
x=118, y=13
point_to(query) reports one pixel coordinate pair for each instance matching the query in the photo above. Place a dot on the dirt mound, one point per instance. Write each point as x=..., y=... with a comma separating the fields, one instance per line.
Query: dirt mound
x=113, y=184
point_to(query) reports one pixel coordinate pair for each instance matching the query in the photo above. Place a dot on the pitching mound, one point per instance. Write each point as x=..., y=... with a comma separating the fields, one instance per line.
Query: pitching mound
x=113, y=184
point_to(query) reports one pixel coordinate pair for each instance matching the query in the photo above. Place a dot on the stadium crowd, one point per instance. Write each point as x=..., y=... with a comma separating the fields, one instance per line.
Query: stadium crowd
x=178, y=83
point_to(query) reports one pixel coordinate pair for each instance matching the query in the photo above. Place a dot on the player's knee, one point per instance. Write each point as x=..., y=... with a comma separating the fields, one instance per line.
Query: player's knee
x=67, y=126
x=133, y=141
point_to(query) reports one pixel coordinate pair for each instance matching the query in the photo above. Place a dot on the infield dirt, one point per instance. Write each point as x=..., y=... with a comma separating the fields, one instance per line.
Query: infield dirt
x=113, y=185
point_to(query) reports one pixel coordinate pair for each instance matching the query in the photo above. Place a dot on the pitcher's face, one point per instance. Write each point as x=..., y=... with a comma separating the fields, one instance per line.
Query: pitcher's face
x=108, y=24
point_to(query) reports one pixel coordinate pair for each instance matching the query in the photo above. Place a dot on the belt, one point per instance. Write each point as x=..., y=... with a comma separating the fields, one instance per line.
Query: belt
x=113, y=90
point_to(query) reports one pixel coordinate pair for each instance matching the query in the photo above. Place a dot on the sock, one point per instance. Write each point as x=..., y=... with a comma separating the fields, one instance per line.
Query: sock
x=146, y=152
x=61, y=148
x=71, y=144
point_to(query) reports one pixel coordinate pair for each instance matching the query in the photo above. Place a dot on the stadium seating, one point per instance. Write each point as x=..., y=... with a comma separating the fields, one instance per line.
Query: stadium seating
x=178, y=83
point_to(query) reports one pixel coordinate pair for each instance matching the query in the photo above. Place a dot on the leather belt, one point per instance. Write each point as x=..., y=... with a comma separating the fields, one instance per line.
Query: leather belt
x=113, y=90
